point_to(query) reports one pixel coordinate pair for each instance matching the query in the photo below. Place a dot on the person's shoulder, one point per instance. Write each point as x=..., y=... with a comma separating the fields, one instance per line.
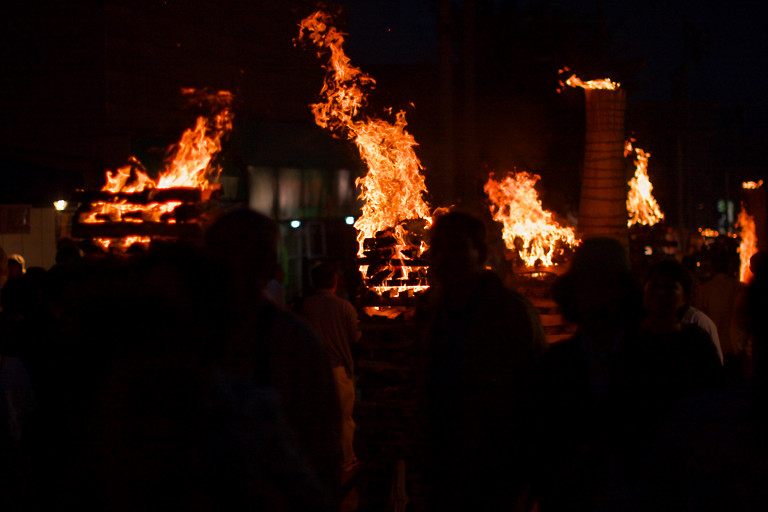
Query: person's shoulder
x=570, y=345
x=290, y=328
x=567, y=353
x=695, y=339
x=694, y=331
x=697, y=317
x=492, y=288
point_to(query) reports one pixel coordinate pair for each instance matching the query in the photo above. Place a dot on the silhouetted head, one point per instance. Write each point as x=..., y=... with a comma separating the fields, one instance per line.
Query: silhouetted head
x=599, y=291
x=16, y=266
x=247, y=242
x=325, y=276
x=722, y=262
x=667, y=289
x=457, y=247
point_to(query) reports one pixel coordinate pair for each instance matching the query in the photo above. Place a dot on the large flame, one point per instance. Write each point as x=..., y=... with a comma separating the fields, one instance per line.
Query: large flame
x=526, y=226
x=747, y=233
x=641, y=205
x=189, y=165
x=393, y=188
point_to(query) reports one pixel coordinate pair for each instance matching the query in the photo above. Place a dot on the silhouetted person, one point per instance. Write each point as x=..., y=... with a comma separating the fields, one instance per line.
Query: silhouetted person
x=712, y=452
x=591, y=390
x=275, y=289
x=143, y=409
x=335, y=319
x=3, y=267
x=67, y=252
x=694, y=316
x=719, y=298
x=272, y=348
x=16, y=266
x=17, y=400
x=482, y=342
x=688, y=361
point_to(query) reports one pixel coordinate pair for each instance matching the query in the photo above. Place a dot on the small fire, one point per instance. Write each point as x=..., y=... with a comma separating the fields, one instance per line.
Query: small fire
x=575, y=81
x=748, y=245
x=189, y=166
x=747, y=233
x=641, y=205
x=393, y=188
x=527, y=227
x=708, y=233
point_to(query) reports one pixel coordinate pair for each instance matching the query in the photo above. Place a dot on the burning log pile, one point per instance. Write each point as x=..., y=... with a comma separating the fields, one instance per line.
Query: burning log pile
x=134, y=208
x=641, y=205
x=395, y=214
x=181, y=218
x=527, y=228
x=391, y=266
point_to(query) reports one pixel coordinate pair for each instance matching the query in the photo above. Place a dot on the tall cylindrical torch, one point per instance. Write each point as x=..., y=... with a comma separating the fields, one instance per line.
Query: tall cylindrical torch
x=602, y=207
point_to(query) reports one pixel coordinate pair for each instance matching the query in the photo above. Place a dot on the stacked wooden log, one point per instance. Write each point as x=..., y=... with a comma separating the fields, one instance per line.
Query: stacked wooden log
x=386, y=259
x=183, y=221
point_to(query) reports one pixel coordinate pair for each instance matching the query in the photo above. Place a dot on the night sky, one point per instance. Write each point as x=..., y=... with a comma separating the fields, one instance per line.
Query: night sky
x=706, y=57
x=728, y=65
x=64, y=111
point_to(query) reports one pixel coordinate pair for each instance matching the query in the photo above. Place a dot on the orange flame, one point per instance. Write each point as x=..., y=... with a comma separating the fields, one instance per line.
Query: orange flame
x=641, y=205
x=574, y=81
x=188, y=166
x=747, y=232
x=748, y=245
x=393, y=188
x=515, y=203
x=709, y=233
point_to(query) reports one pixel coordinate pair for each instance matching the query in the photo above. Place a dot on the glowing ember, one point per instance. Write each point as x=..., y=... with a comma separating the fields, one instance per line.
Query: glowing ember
x=189, y=166
x=641, y=205
x=393, y=188
x=751, y=185
x=575, y=81
x=709, y=233
x=527, y=228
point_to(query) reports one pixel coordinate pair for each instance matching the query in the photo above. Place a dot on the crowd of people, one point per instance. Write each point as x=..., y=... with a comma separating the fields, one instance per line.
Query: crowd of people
x=171, y=378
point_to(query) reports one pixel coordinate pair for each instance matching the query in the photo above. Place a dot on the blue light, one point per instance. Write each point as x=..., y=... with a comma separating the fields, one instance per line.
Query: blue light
x=350, y=220
x=295, y=223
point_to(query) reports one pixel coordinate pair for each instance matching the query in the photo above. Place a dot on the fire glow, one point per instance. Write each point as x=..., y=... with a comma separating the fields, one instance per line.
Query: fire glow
x=526, y=226
x=747, y=233
x=393, y=187
x=574, y=81
x=188, y=166
x=641, y=205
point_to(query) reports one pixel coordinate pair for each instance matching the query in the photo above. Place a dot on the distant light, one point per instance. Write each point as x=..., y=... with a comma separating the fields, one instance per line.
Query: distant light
x=60, y=204
x=648, y=250
x=350, y=220
x=295, y=223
